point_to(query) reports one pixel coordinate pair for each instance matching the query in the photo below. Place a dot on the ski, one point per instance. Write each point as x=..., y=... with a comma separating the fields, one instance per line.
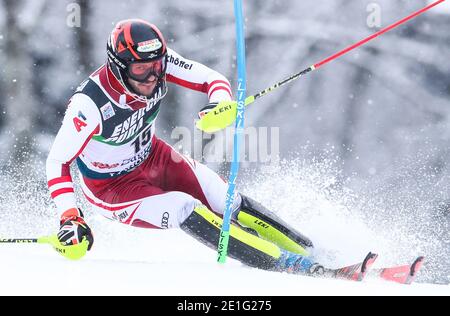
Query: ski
x=355, y=272
x=404, y=274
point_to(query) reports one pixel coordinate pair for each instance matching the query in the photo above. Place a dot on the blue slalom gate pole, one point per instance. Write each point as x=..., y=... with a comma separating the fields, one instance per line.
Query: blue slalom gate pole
x=238, y=135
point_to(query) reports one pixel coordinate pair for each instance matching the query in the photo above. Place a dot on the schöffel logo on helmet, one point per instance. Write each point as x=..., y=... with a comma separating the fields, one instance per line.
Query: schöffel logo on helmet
x=149, y=46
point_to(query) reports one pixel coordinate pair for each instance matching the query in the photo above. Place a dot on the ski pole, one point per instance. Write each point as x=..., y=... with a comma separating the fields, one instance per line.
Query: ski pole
x=252, y=98
x=224, y=237
x=20, y=241
x=223, y=115
x=74, y=252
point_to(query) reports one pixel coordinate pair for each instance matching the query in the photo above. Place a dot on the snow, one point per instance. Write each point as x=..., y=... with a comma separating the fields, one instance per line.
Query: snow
x=147, y=263
x=131, y=261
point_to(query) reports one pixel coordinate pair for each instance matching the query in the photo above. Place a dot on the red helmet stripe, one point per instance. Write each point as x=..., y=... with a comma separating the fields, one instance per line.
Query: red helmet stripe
x=129, y=40
x=121, y=48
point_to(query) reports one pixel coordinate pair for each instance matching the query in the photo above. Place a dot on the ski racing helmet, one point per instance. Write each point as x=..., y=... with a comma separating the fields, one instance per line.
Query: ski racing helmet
x=133, y=43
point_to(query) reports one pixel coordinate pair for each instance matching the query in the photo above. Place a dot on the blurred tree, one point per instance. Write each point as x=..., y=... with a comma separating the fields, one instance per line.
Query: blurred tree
x=17, y=132
x=82, y=38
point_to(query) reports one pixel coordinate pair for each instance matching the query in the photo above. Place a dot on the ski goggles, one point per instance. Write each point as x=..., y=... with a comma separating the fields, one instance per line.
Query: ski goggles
x=141, y=71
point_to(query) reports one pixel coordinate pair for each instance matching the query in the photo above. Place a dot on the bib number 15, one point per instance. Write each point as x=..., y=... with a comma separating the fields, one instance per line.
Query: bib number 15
x=143, y=139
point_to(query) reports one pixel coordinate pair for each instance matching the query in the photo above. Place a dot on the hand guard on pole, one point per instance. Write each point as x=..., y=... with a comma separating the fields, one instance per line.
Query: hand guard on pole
x=206, y=109
x=217, y=116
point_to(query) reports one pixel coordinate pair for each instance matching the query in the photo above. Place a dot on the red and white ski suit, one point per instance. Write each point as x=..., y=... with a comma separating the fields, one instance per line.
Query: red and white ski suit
x=128, y=174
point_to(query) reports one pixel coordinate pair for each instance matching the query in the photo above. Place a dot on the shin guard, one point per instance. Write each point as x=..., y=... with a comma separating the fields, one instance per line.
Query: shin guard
x=271, y=227
x=251, y=250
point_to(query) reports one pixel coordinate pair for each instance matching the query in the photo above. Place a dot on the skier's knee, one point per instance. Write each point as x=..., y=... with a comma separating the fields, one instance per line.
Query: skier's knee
x=184, y=204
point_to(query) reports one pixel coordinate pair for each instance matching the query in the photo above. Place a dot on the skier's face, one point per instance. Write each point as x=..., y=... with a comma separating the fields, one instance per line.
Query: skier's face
x=144, y=88
x=143, y=76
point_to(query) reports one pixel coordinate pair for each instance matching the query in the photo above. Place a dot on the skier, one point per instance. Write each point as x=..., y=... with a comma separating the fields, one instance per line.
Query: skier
x=131, y=176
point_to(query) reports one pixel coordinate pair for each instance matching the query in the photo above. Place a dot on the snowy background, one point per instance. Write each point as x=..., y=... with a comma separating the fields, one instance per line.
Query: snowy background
x=364, y=141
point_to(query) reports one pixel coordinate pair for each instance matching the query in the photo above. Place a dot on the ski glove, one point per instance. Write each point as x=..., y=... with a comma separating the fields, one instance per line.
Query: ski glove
x=73, y=230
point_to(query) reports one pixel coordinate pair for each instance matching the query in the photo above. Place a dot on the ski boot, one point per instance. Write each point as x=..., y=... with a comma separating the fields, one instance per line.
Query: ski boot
x=298, y=264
